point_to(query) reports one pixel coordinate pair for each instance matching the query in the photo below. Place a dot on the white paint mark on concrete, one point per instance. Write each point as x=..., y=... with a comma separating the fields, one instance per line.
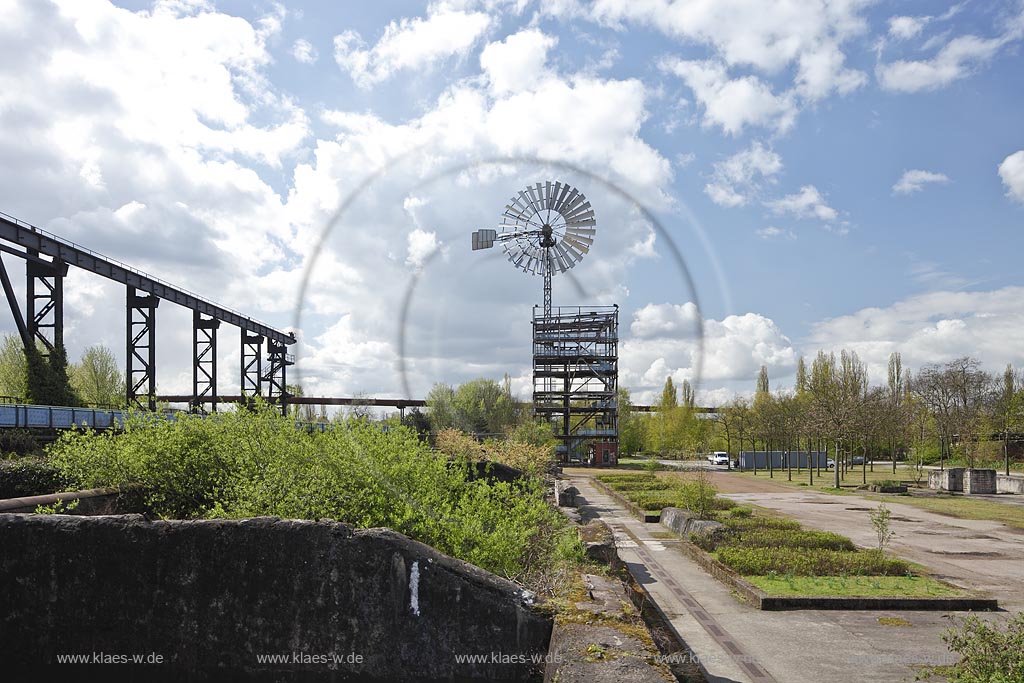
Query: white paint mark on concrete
x=414, y=588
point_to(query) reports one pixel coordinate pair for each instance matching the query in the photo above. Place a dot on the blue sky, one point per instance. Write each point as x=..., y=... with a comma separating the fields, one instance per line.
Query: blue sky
x=836, y=174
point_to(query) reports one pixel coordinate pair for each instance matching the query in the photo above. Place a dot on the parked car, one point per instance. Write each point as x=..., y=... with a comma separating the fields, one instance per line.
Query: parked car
x=830, y=463
x=719, y=458
x=857, y=460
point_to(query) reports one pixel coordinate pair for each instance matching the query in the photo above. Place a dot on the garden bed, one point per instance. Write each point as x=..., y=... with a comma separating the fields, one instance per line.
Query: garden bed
x=776, y=565
x=646, y=495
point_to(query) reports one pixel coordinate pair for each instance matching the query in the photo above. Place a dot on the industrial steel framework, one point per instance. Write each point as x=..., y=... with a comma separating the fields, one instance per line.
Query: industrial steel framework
x=575, y=375
x=204, y=367
x=47, y=258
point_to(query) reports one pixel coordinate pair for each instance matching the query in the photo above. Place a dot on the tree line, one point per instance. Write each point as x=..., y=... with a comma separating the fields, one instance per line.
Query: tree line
x=954, y=411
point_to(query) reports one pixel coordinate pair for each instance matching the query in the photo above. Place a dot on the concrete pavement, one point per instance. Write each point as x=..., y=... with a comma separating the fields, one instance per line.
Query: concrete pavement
x=735, y=642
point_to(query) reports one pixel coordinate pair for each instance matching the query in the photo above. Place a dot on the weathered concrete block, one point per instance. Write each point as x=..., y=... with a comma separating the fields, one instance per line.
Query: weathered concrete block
x=1009, y=484
x=599, y=543
x=566, y=494
x=950, y=479
x=979, y=481
x=212, y=597
x=680, y=522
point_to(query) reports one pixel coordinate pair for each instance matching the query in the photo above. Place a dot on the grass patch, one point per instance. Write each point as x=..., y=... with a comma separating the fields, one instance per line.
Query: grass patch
x=893, y=621
x=855, y=587
x=809, y=562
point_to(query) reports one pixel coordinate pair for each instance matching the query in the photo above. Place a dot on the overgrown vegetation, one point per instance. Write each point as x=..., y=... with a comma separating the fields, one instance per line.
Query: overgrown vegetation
x=691, y=491
x=242, y=464
x=759, y=546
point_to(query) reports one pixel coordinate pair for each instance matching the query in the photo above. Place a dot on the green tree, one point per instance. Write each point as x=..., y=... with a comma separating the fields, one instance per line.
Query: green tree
x=762, y=380
x=441, y=407
x=48, y=381
x=689, y=398
x=801, y=376
x=837, y=392
x=668, y=395
x=13, y=367
x=483, y=406
x=631, y=428
x=97, y=379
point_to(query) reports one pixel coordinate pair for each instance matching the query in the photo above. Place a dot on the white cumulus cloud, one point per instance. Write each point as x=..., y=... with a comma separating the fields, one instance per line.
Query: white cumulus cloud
x=410, y=44
x=518, y=61
x=915, y=180
x=807, y=203
x=956, y=60
x=742, y=175
x=733, y=103
x=303, y=51
x=1012, y=173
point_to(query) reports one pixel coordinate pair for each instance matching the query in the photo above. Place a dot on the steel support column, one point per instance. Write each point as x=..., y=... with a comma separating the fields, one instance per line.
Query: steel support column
x=12, y=301
x=44, y=302
x=204, y=362
x=277, y=374
x=141, y=350
x=252, y=366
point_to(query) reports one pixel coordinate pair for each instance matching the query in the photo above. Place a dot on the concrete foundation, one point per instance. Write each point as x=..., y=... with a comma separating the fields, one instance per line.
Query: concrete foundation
x=1009, y=484
x=979, y=481
x=950, y=479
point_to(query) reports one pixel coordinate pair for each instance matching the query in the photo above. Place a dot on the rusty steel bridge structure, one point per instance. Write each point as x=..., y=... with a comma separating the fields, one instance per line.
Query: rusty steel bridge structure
x=47, y=261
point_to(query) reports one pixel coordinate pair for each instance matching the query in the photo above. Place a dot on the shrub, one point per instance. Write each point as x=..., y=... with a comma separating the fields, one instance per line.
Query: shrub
x=738, y=512
x=789, y=538
x=742, y=523
x=30, y=477
x=988, y=653
x=18, y=442
x=245, y=464
x=809, y=562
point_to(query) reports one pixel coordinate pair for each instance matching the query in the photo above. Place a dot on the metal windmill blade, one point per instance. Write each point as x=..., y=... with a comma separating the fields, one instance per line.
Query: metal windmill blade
x=545, y=229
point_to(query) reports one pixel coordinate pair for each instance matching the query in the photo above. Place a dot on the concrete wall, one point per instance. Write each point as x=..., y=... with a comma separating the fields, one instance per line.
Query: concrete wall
x=979, y=481
x=210, y=596
x=949, y=479
x=1009, y=484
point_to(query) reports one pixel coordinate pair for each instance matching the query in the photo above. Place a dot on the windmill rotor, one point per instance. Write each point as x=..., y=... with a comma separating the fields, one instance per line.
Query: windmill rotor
x=545, y=229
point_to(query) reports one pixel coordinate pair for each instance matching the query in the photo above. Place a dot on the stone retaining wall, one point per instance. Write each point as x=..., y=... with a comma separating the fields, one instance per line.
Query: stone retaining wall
x=211, y=596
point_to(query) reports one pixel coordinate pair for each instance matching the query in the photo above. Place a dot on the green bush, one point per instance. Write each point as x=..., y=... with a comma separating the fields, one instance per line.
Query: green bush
x=744, y=522
x=30, y=477
x=246, y=464
x=809, y=562
x=18, y=442
x=988, y=653
x=740, y=512
x=789, y=538
x=616, y=479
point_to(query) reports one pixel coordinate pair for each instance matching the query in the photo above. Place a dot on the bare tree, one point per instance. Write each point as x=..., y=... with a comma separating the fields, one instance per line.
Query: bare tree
x=958, y=394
